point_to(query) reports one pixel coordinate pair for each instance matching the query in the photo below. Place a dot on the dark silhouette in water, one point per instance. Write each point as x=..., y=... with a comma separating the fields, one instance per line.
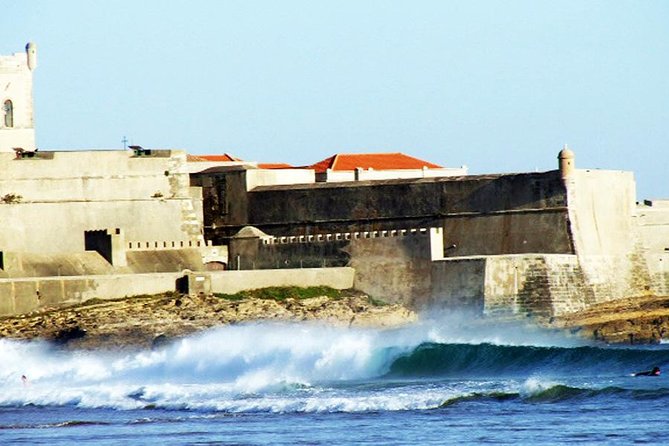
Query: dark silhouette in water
x=654, y=372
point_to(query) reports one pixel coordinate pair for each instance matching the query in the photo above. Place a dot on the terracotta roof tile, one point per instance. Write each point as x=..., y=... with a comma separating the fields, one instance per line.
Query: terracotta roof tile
x=224, y=157
x=275, y=166
x=376, y=161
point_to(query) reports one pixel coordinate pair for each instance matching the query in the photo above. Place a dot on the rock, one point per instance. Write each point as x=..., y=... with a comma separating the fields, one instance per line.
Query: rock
x=69, y=334
x=159, y=341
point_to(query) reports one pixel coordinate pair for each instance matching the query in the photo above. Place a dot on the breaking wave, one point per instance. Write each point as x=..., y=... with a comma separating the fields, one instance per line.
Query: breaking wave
x=313, y=368
x=436, y=359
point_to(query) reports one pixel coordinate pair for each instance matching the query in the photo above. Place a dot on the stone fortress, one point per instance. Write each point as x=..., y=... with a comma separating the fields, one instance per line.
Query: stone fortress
x=114, y=223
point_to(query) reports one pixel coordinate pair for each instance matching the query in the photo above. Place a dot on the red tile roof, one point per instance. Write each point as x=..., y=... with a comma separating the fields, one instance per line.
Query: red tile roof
x=224, y=157
x=275, y=166
x=376, y=161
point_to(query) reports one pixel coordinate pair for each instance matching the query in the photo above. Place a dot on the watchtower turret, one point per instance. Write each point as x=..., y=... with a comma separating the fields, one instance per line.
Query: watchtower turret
x=566, y=161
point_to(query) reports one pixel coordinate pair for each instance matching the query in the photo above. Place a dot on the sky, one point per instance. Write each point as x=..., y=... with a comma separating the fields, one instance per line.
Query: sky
x=498, y=86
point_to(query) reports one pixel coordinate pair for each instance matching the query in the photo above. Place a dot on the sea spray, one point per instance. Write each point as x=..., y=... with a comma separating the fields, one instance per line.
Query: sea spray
x=271, y=367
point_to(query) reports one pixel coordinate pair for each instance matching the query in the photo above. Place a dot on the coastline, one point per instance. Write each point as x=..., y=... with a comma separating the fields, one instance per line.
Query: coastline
x=142, y=322
x=633, y=320
x=149, y=321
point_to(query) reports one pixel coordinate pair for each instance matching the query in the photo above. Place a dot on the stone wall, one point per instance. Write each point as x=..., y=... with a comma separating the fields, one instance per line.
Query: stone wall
x=231, y=282
x=512, y=286
x=16, y=78
x=31, y=264
x=392, y=265
x=607, y=238
x=472, y=208
x=47, y=202
x=18, y=296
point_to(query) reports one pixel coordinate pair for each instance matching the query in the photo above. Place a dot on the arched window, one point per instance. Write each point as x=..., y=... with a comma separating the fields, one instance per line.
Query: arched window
x=9, y=113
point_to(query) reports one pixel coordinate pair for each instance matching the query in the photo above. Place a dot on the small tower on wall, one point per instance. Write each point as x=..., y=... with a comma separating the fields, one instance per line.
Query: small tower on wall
x=17, y=128
x=566, y=162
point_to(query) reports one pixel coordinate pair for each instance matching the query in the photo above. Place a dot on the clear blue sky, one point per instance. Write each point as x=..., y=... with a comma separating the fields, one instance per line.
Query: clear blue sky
x=497, y=85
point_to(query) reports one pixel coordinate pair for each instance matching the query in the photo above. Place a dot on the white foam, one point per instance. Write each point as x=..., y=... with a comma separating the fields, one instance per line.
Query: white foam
x=236, y=368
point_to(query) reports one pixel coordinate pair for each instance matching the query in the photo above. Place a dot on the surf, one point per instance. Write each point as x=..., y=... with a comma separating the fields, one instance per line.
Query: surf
x=267, y=367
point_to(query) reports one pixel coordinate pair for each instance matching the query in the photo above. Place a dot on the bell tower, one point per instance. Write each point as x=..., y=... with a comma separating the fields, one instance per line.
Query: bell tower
x=17, y=128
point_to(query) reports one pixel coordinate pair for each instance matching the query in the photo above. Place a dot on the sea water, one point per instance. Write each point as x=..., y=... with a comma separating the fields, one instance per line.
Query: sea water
x=435, y=382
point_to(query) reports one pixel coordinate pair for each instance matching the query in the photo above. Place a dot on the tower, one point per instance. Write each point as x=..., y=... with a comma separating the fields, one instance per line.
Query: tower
x=17, y=129
x=566, y=161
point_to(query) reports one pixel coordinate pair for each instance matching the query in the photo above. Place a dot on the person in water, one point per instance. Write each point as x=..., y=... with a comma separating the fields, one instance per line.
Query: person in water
x=654, y=372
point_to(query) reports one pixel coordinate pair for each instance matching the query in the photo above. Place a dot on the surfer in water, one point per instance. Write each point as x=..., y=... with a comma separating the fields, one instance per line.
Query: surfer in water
x=654, y=372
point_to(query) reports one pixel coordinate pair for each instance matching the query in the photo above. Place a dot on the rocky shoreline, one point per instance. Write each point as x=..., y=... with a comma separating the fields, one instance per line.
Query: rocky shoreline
x=148, y=321
x=634, y=320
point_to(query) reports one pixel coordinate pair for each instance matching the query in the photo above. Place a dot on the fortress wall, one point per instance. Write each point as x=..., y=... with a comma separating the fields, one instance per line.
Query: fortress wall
x=601, y=206
x=652, y=219
x=297, y=255
x=231, y=282
x=535, y=285
x=32, y=264
x=607, y=241
x=508, y=233
x=59, y=226
x=395, y=269
x=458, y=284
x=370, y=205
x=511, y=286
x=267, y=177
x=658, y=264
x=19, y=296
x=369, y=200
x=95, y=176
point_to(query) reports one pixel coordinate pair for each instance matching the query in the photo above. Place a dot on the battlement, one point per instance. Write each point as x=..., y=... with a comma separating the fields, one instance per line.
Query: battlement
x=337, y=236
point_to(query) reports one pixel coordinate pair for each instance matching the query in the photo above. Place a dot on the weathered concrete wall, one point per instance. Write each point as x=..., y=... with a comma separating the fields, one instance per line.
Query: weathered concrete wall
x=606, y=240
x=393, y=265
x=18, y=296
x=458, y=284
x=58, y=227
x=269, y=177
x=27, y=264
x=652, y=220
x=231, y=282
x=454, y=203
x=510, y=232
x=535, y=285
x=512, y=286
x=395, y=269
x=63, y=194
x=338, y=176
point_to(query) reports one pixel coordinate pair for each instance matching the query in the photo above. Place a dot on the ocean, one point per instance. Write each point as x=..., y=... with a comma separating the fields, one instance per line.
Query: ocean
x=435, y=382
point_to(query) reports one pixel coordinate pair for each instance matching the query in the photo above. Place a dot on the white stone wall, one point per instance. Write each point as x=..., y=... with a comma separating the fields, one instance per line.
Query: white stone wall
x=602, y=208
x=334, y=176
x=16, y=82
x=275, y=177
x=59, y=195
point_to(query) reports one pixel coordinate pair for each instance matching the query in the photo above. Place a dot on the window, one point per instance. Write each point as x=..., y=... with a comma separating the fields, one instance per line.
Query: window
x=8, y=108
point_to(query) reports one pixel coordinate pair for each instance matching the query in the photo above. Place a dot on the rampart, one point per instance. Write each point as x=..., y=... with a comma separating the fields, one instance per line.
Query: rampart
x=31, y=294
x=489, y=214
x=48, y=201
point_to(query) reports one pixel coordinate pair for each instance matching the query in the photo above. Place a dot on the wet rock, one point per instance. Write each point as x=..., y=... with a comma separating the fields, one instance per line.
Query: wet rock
x=69, y=334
